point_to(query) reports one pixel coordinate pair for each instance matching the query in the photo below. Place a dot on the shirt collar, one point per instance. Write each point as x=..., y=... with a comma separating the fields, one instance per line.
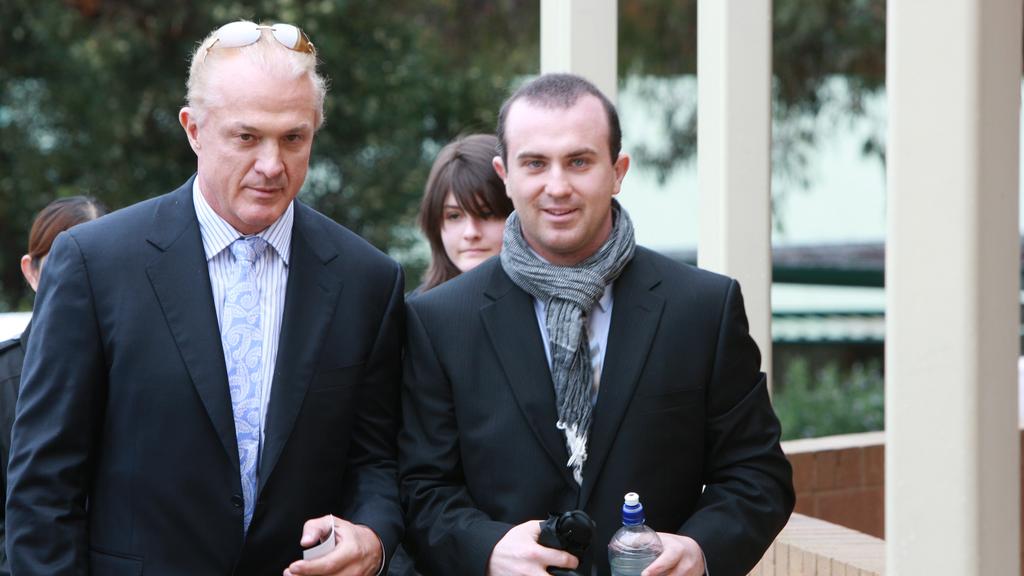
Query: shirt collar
x=217, y=234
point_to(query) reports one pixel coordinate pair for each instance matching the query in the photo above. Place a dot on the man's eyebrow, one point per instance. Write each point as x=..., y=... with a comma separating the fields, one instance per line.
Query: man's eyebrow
x=530, y=154
x=243, y=127
x=586, y=150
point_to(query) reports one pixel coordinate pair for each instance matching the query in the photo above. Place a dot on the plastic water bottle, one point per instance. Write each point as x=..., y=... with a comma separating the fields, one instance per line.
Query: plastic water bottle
x=634, y=546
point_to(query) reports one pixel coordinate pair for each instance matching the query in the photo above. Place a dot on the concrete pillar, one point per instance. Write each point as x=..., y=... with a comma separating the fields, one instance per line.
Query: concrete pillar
x=581, y=37
x=734, y=70
x=952, y=287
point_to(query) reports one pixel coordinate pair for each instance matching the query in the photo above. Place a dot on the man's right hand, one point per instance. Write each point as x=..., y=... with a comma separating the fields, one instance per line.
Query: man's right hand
x=519, y=554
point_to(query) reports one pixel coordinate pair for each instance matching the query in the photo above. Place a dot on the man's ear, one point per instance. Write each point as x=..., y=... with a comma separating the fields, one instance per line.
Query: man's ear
x=30, y=272
x=621, y=166
x=189, y=122
x=499, y=168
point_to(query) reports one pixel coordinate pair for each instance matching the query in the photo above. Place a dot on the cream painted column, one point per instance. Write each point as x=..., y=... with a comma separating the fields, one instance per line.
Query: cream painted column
x=581, y=37
x=952, y=279
x=734, y=70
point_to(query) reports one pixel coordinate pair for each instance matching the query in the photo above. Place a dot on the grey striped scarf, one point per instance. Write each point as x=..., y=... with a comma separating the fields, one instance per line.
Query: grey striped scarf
x=570, y=292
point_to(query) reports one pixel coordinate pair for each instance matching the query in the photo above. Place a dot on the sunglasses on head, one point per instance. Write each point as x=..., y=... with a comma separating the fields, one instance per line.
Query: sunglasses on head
x=242, y=33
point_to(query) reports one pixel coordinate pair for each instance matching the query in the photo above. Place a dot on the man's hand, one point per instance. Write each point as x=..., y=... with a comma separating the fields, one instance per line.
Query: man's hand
x=681, y=556
x=357, y=550
x=519, y=554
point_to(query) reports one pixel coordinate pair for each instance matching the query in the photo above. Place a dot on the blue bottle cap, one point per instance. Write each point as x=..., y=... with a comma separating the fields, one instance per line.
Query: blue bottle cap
x=632, y=510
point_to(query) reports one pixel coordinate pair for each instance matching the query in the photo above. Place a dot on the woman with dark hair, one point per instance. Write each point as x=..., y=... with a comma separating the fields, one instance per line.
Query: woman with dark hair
x=55, y=218
x=463, y=209
x=463, y=217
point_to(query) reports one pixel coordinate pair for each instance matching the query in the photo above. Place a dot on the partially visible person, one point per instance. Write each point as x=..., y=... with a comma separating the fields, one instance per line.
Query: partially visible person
x=462, y=216
x=211, y=385
x=463, y=209
x=55, y=218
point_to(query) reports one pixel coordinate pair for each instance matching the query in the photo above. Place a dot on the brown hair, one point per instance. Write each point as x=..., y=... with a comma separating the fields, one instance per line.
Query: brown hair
x=57, y=217
x=463, y=167
x=560, y=91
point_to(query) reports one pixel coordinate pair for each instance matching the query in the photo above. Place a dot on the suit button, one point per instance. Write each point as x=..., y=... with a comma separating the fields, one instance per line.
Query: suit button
x=236, y=501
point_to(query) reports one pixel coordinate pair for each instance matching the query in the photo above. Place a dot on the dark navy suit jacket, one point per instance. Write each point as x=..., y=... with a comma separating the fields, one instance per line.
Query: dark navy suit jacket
x=12, y=357
x=124, y=459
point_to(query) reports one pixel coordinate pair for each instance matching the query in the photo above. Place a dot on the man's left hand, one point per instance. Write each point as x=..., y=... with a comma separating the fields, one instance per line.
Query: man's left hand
x=357, y=550
x=681, y=556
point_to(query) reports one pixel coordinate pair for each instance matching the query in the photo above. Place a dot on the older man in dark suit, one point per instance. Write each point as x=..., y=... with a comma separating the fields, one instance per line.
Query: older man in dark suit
x=212, y=382
x=579, y=367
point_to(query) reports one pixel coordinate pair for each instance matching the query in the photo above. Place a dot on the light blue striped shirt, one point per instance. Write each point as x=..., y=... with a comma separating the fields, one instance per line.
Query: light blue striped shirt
x=271, y=278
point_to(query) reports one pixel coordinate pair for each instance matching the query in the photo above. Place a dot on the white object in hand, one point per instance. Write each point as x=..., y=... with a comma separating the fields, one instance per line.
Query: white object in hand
x=324, y=547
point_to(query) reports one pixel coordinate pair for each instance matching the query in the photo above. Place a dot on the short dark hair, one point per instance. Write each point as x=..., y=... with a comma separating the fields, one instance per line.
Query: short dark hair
x=57, y=217
x=560, y=91
x=463, y=167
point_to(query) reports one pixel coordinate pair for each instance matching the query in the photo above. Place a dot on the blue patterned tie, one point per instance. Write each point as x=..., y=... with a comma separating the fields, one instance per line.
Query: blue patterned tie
x=242, y=338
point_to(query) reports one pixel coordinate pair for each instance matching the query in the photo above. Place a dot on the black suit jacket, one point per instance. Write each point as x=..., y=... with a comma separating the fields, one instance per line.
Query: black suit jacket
x=12, y=357
x=682, y=405
x=124, y=458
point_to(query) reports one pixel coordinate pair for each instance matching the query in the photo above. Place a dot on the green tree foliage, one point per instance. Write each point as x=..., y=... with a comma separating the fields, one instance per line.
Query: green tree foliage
x=830, y=401
x=90, y=91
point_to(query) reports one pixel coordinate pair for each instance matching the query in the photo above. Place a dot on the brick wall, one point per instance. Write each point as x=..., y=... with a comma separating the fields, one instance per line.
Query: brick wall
x=812, y=547
x=841, y=479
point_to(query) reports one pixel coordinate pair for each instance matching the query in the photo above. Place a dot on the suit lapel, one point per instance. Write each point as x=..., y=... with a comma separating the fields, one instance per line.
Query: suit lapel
x=310, y=299
x=511, y=324
x=636, y=311
x=181, y=281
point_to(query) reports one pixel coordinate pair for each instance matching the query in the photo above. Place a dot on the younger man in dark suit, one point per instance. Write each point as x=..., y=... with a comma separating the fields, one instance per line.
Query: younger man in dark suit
x=212, y=379
x=579, y=367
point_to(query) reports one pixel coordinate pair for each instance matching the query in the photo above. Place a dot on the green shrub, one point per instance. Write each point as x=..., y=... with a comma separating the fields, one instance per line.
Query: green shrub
x=830, y=401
